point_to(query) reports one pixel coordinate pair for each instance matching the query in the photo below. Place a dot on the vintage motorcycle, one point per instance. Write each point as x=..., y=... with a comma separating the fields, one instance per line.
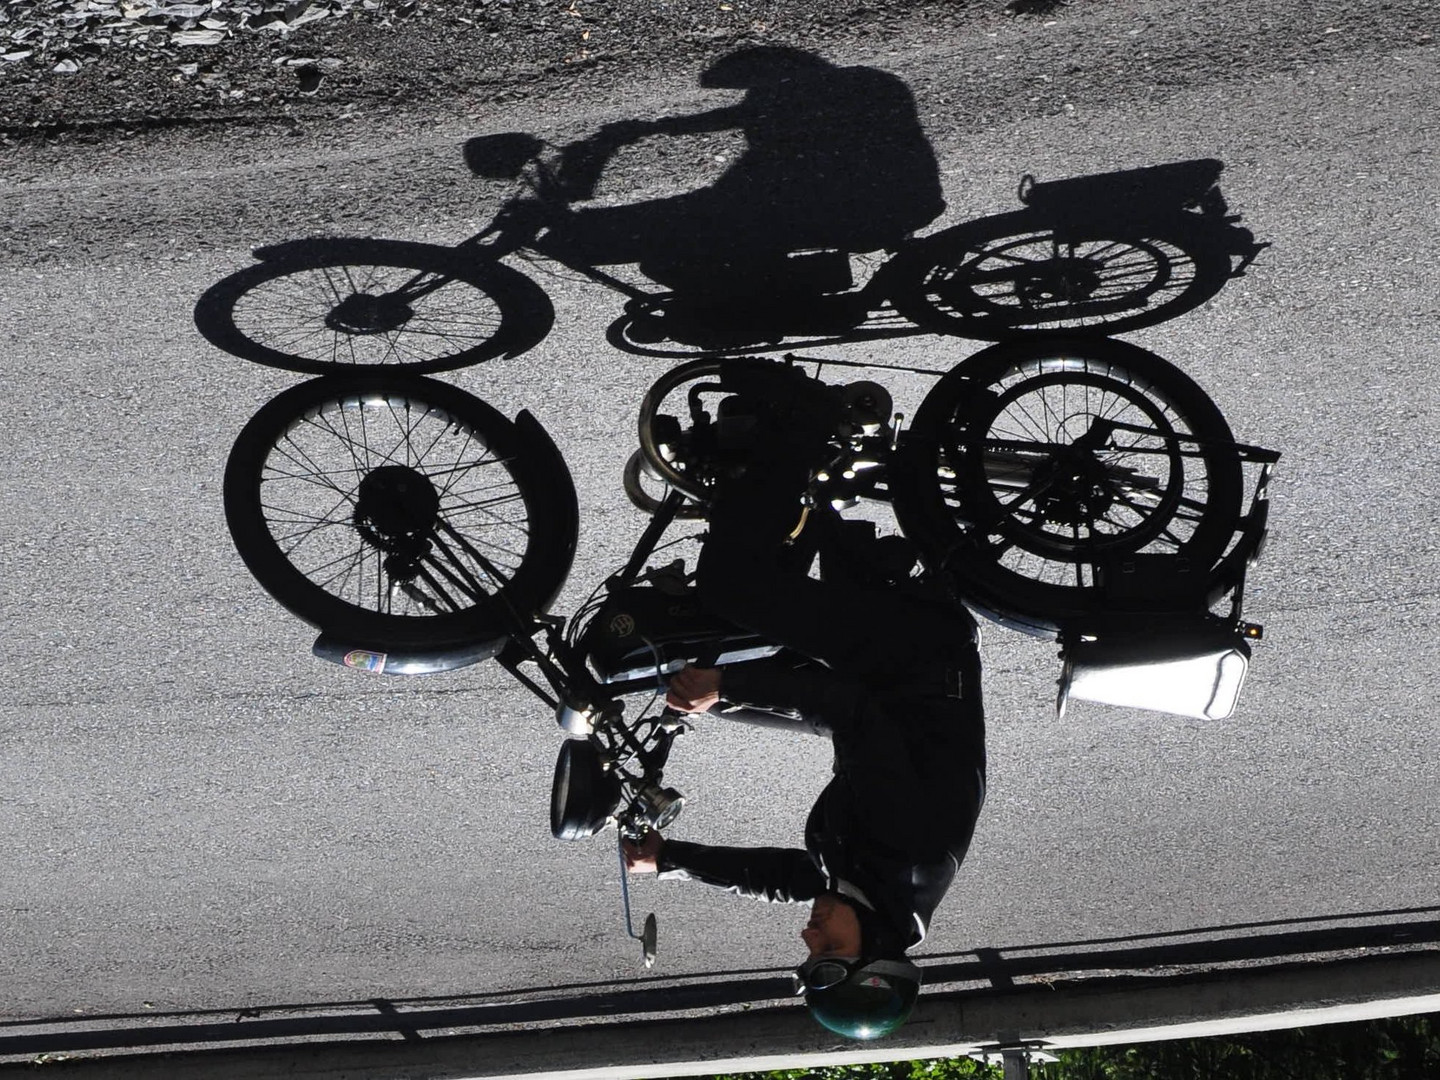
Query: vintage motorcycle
x=1082, y=490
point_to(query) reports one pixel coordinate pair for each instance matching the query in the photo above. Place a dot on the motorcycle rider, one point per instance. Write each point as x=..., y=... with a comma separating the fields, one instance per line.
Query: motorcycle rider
x=893, y=677
x=834, y=158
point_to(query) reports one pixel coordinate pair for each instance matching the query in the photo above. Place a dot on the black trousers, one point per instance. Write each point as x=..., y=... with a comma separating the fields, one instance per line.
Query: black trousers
x=749, y=576
x=916, y=733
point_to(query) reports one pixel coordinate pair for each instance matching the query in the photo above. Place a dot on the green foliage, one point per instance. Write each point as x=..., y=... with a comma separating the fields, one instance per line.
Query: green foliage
x=934, y=1069
x=1398, y=1048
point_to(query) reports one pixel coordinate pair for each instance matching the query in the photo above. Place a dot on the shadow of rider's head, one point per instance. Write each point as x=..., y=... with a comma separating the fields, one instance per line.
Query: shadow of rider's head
x=760, y=65
x=834, y=159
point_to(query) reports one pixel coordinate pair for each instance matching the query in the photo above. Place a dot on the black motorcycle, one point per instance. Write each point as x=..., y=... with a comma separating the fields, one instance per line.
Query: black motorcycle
x=1077, y=489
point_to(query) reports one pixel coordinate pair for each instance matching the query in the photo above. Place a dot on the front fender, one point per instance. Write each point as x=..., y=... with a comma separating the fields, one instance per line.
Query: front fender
x=412, y=660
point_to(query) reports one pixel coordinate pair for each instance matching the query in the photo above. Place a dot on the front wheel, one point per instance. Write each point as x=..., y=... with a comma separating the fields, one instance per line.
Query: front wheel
x=330, y=305
x=1035, y=467
x=399, y=510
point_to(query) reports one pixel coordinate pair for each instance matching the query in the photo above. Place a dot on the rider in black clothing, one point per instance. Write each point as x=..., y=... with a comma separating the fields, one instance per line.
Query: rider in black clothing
x=893, y=676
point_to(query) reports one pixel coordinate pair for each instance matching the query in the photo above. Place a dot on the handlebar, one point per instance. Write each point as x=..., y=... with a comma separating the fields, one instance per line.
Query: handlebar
x=504, y=156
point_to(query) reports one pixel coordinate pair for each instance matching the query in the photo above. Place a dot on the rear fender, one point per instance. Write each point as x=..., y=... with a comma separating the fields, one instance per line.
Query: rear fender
x=295, y=249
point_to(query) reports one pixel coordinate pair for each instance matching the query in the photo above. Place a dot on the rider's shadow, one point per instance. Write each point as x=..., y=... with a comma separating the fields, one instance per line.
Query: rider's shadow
x=835, y=161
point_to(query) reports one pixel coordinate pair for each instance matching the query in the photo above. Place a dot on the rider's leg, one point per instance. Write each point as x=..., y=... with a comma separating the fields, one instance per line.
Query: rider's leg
x=634, y=233
x=744, y=577
x=689, y=243
x=918, y=713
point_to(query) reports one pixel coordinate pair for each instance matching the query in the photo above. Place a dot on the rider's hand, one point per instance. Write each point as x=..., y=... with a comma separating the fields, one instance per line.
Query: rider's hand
x=643, y=858
x=694, y=689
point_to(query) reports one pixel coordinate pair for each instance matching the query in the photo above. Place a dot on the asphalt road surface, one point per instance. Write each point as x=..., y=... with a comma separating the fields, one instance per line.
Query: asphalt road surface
x=196, y=814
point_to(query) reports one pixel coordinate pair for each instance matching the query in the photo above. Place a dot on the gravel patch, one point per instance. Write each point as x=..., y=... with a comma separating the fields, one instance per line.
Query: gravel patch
x=90, y=68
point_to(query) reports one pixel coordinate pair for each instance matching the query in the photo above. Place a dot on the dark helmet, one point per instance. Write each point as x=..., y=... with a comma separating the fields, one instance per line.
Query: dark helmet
x=759, y=65
x=860, y=999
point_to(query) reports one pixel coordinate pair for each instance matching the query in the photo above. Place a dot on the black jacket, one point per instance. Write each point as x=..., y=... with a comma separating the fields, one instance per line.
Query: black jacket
x=892, y=826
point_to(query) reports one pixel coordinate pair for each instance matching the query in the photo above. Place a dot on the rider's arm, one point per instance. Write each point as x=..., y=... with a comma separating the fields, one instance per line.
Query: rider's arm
x=732, y=116
x=779, y=875
x=623, y=131
x=817, y=693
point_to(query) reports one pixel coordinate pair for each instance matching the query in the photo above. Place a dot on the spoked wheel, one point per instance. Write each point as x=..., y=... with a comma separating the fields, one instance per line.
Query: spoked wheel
x=326, y=305
x=1057, y=458
x=1001, y=277
x=398, y=510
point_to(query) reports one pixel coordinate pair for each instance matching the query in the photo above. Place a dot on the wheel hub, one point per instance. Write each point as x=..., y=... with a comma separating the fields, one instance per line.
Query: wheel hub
x=1073, y=491
x=363, y=314
x=396, y=509
x=1061, y=280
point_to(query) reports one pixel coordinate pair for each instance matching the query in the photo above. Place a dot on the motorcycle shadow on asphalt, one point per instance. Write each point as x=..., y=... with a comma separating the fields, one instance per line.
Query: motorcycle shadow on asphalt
x=814, y=235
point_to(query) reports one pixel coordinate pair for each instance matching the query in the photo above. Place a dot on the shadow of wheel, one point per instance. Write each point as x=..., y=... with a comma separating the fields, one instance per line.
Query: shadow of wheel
x=1001, y=277
x=327, y=305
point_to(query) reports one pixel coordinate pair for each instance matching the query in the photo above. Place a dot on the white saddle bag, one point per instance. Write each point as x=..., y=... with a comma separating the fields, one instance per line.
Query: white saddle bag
x=1195, y=673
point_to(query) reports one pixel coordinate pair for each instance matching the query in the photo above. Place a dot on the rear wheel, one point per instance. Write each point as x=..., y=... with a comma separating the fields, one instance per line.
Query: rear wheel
x=399, y=510
x=1054, y=459
x=327, y=305
x=1001, y=277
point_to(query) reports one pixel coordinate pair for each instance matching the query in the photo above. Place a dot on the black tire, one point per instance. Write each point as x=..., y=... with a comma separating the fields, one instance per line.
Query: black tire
x=398, y=511
x=331, y=305
x=1020, y=515
x=583, y=794
x=1002, y=277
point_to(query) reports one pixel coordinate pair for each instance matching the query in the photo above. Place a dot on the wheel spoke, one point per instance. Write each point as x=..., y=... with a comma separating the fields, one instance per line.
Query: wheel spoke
x=1067, y=463
x=344, y=541
x=358, y=314
x=438, y=589
x=1043, y=279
